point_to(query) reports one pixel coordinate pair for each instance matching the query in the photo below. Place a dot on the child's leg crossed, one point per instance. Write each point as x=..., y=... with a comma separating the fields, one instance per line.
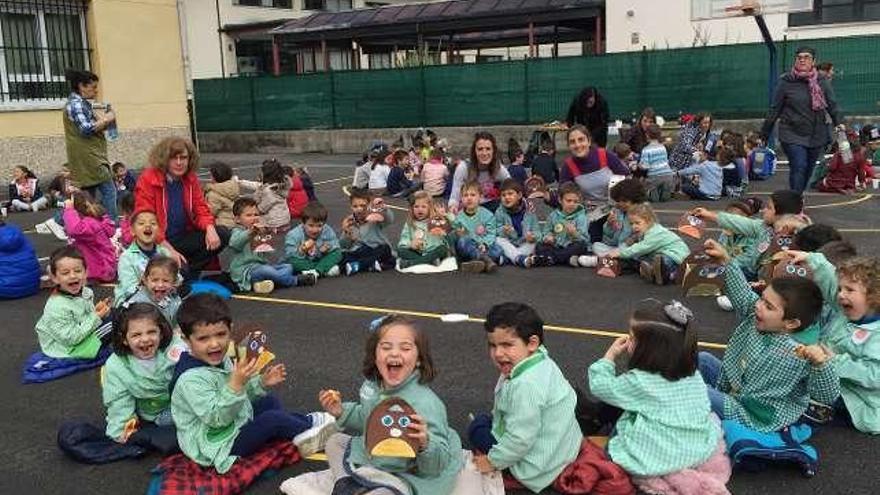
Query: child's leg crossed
x=281, y=274
x=270, y=422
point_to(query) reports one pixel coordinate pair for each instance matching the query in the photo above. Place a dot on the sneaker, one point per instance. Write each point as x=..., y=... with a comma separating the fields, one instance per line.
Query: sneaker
x=351, y=268
x=588, y=261
x=263, y=287
x=658, y=269
x=42, y=228
x=56, y=229
x=333, y=271
x=491, y=266
x=306, y=279
x=377, y=267
x=544, y=261
x=724, y=303
x=315, y=438
x=475, y=266
x=314, y=273
x=573, y=261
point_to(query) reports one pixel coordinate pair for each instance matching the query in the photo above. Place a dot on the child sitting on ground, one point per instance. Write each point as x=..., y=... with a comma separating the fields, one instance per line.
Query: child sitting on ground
x=24, y=191
x=518, y=228
x=364, y=244
x=761, y=381
x=271, y=196
x=398, y=364
x=658, y=251
x=398, y=184
x=532, y=432
x=419, y=244
x=159, y=287
x=660, y=400
x=516, y=168
x=221, y=192
x=544, y=163
x=313, y=246
x=71, y=325
x=133, y=261
x=90, y=229
x=221, y=408
x=654, y=161
x=379, y=172
x=124, y=179
x=566, y=232
x=626, y=155
x=135, y=378
x=617, y=230
x=249, y=269
x=846, y=177
x=476, y=231
x=709, y=179
x=124, y=237
x=301, y=190
x=435, y=173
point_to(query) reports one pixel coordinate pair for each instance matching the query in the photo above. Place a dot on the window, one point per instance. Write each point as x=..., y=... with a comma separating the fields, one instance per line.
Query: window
x=278, y=4
x=380, y=60
x=837, y=11
x=481, y=59
x=38, y=41
x=328, y=5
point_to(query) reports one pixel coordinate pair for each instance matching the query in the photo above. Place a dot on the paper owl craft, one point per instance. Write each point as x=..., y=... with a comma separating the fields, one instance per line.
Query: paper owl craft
x=780, y=242
x=439, y=225
x=691, y=226
x=785, y=269
x=250, y=341
x=608, y=267
x=701, y=275
x=387, y=429
x=376, y=211
x=261, y=242
x=535, y=187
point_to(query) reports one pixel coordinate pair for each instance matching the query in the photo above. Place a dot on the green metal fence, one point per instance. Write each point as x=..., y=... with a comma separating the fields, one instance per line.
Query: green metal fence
x=730, y=81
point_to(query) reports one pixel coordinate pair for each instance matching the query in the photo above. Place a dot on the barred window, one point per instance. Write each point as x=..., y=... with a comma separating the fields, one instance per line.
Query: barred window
x=39, y=40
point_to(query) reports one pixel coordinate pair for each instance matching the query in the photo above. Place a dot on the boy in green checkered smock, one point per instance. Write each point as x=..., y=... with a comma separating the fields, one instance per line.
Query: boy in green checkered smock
x=763, y=381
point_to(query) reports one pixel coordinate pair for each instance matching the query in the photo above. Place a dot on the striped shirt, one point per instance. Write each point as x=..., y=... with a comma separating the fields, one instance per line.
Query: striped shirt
x=655, y=160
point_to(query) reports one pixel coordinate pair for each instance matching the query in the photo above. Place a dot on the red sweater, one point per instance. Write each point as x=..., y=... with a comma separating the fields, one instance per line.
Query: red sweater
x=842, y=176
x=149, y=194
x=297, y=198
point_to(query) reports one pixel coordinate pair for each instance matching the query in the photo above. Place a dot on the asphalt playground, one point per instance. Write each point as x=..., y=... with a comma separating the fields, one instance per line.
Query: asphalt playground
x=318, y=332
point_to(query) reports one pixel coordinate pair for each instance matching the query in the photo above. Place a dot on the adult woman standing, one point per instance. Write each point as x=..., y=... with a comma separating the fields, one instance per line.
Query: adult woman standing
x=637, y=137
x=84, y=140
x=484, y=167
x=804, y=104
x=695, y=135
x=169, y=186
x=590, y=109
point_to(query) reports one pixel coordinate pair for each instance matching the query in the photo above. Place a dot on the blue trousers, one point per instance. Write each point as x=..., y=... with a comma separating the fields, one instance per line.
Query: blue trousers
x=468, y=250
x=281, y=274
x=710, y=370
x=107, y=191
x=801, y=161
x=480, y=433
x=270, y=422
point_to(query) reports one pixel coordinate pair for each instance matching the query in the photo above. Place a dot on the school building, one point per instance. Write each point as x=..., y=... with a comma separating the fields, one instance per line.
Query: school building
x=134, y=47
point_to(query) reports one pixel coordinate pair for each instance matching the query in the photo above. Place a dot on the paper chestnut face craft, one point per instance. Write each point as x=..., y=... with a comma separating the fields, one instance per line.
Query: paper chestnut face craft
x=780, y=242
x=439, y=225
x=250, y=341
x=691, y=226
x=786, y=269
x=702, y=276
x=262, y=240
x=608, y=267
x=535, y=187
x=387, y=429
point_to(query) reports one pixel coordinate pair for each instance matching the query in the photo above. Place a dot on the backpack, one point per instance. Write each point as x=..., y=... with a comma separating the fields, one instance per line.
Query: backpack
x=761, y=163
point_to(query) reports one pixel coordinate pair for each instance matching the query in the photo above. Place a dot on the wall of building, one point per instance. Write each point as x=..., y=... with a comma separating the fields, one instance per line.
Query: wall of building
x=141, y=74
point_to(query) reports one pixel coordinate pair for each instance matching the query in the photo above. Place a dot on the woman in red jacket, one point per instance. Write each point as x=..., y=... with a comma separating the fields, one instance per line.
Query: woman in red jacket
x=170, y=187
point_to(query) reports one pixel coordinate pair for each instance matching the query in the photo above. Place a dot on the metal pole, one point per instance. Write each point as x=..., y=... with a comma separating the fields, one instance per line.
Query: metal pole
x=276, y=56
x=772, y=71
x=597, y=36
x=531, y=39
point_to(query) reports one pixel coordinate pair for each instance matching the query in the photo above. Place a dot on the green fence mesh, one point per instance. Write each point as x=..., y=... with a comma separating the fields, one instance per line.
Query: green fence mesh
x=730, y=81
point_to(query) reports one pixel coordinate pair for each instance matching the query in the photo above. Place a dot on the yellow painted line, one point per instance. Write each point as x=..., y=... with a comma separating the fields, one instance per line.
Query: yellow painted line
x=320, y=456
x=437, y=316
x=849, y=202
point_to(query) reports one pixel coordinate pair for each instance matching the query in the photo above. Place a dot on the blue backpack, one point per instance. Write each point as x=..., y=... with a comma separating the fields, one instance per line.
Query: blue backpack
x=762, y=164
x=752, y=450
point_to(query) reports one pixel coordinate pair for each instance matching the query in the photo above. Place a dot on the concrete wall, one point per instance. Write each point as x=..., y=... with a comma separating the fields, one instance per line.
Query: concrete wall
x=136, y=52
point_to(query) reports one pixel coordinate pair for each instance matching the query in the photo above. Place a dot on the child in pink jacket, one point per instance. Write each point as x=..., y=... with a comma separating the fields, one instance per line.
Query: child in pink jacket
x=89, y=229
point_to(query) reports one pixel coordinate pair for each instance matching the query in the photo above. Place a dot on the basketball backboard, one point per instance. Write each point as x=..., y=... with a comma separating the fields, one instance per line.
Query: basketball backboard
x=723, y=9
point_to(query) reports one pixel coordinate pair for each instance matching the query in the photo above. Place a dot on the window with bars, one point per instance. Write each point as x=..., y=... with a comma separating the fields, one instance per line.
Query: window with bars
x=837, y=11
x=39, y=40
x=328, y=5
x=277, y=4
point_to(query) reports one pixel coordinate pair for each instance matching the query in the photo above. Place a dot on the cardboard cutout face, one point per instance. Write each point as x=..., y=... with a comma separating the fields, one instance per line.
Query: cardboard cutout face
x=608, y=267
x=535, y=187
x=262, y=240
x=691, y=226
x=250, y=341
x=702, y=276
x=439, y=225
x=387, y=428
x=780, y=242
x=786, y=269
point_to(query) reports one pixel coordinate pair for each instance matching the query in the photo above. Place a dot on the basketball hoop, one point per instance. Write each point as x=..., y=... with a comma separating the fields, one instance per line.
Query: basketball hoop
x=745, y=8
x=725, y=9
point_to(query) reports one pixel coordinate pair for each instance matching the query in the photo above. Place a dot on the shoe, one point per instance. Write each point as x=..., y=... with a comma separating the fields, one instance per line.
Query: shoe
x=42, y=228
x=351, y=268
x=475, y=266
x=437, y=262
x=306, y=279
x=544, y=261
x=724, y=303
x=377, y=267
x=315, y=438
x=56, y=229
x=263, y=287
x=658, y=269
x=588, y=261
x=333, y=271
x=313, y=273
x=573, y=261
x=490, y=266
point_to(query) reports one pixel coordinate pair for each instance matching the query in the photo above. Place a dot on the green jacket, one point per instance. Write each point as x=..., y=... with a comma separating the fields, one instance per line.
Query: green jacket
x=857, y=362
x=243, y=258
x=67, y=327
x=368, y=234
x=556, y=222
x=209, y=415
x=529, y=225
x=756, y=247
x=86, y=155
x=743, y=252
x=414, y=228
x=480, y=226
x=132, y=263
x=657, y=240
x=533, y=420
x=665, y=426
x=435, y=469
x=130, y=389
x=825, y=276
x=768, y=387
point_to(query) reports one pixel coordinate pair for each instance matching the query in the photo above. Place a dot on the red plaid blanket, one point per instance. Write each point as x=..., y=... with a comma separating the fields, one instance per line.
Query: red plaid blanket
x=177, y=475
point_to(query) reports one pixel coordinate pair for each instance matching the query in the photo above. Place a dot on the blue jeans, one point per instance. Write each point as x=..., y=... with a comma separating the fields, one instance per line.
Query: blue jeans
x=107, y=190
x=801, y=161
x=270, y=422
x=479, y=433
x=468, y=250
x=281, y=274
x=710, y=370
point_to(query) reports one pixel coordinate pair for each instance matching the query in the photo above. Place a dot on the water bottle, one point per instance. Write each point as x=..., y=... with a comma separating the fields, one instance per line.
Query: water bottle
x=843, y=146
x=112, y=132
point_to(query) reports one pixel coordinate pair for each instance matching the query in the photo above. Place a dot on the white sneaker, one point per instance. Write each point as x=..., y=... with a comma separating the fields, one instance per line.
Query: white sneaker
x=315, y=438
x=377, y=267
x=333, y=271
x=56, y=229
x=573, y=261
x=313, y=272
x=263, y=287
x=724, y=303
x=588, y=261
